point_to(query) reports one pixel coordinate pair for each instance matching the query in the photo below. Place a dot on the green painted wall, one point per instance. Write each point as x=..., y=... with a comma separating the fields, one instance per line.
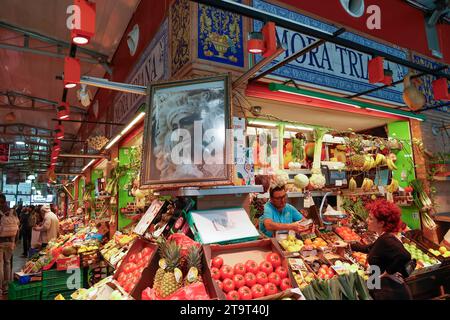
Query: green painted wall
x=124, y=198
x=95, y=174
x=81, y=184
x=401, y=130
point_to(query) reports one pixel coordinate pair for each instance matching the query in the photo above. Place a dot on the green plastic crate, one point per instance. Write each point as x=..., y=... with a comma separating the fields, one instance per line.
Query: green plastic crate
x=54, y=280
x=29, y=291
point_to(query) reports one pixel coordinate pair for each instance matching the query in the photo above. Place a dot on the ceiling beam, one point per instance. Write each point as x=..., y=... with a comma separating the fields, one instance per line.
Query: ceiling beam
x=100, y=57
x=250, y=12
x=10, y=94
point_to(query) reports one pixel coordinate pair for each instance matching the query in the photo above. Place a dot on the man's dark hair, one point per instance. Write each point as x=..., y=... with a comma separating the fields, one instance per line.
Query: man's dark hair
x=2, y=197
x=275, y=189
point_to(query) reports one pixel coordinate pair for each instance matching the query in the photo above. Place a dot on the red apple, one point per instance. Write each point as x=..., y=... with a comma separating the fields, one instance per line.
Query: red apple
x=245, y=293
x=261, y=278
x=274, y=278
x=285, y=284
x=239, y=280
x=258, y=291
x=266, y=267
x=239, y=268
x=220, y=284
x=215, y=273
x=270, y=289
x=233, y=295
x=228, y=285
x=251, y=266
x=250, y=279
x=217, y=262
x=274, y=259
x=226, y=272
x=282, y=272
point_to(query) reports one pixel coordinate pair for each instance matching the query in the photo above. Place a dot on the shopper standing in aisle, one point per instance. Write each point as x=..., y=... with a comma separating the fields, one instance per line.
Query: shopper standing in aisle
x=279, y=215
x=387, y=252
x=50, y=226
x=26, y=225
x=9, y=228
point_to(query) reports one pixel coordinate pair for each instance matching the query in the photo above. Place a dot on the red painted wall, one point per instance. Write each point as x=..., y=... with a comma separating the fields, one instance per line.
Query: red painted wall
x=149, y=15
x=401, y=24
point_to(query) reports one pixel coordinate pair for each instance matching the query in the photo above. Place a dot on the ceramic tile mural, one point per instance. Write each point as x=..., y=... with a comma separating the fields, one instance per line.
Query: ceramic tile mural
x=180, y=29
x=220, y=37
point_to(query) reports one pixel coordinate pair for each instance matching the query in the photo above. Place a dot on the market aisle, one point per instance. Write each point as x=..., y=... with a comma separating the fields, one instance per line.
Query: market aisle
x=18, y=263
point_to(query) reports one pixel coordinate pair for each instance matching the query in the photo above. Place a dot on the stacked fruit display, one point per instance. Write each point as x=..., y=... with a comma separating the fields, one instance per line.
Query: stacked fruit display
x=321, y=269
x=131, y=268
x=423, y=259
x=344, y=268
x=250, y=280
x=330, y=237
x=292, y=244
x=361, y=258
x=317, y=243
x=347, y=234
x=443, y=251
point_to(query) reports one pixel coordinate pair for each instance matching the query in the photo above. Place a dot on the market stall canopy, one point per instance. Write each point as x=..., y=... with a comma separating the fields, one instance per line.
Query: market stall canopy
x=34, y=39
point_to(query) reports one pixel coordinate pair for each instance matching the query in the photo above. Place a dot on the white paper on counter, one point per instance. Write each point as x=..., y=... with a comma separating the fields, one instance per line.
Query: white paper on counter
x=223, y=225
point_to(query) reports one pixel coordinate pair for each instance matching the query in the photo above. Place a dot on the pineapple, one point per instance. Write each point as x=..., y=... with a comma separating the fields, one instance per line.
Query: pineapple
x=162, y=265
x=171, y=280
x=194, y=265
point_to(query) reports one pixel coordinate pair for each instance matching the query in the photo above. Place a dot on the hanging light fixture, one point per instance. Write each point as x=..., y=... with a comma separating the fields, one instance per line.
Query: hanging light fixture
x=84, y=95
x=63, y=111
x=86, y=30
x=31, y=177
x=377, y=73
x=59, y=131
x=255, y=43
x=264, y=42
x=72, y=72
x=440, y=89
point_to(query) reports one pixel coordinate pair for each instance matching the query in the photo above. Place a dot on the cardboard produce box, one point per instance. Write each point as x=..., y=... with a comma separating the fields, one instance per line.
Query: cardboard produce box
x=241, y=252
x=148, y=276
x=137, y=247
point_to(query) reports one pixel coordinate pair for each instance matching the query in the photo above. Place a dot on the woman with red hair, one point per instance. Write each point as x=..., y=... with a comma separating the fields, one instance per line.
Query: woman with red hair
x=387, y=252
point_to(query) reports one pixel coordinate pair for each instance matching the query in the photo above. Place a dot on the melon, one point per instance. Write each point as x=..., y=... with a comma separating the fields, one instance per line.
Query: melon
x=301, y=181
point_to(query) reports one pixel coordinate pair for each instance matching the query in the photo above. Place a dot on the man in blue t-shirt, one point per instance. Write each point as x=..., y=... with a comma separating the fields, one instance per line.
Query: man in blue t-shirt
x=279, y=215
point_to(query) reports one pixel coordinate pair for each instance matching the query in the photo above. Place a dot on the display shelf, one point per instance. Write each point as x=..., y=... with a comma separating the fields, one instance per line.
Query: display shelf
x=298, y=171
x=441, y=178
x=296, y=194
x=222, y=190
x=442, y=217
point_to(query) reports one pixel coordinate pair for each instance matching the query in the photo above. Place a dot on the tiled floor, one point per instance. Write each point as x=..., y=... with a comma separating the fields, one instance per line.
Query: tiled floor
x=18, y=263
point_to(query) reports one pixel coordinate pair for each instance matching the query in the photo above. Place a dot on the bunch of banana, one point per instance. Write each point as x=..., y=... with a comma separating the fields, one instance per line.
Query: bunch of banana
x=369, y=163
x=367, y=184
x=393, y=187
x=391, y=165
x=352, y=185
x=380, y=160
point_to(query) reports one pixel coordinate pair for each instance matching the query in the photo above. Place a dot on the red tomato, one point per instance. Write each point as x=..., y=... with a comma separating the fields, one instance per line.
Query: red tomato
x=245, y=293
x=215, y=273
x=146, y=252
x=285, y=284
x=266, y=267
x=128, y=268
x=228, y=285
x=121, y=277
x=261, y=278
x=258, y=291
x=217, y=262
x=132, y=258
x=274, y=278
x=239, y=268
x=274, y=259
x=233, y=295
x=330, y=273
x=270, y=289
x=251, y=266
x=250, y=279
x=220, y=284
x=138, y=257
x=226, y=272
x=282, y=272
x=239, y=280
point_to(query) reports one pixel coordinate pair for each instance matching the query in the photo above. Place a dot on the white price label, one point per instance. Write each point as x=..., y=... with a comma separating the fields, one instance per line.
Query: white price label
x=338, y=183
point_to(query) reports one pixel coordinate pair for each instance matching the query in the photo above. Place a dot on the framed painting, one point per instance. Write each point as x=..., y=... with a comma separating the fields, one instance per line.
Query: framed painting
x=188, y=134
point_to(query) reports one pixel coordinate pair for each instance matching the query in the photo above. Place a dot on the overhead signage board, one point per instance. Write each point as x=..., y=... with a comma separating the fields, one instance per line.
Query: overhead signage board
x=331, y=66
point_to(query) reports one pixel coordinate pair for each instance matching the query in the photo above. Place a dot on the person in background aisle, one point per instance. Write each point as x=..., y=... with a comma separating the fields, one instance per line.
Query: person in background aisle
x=387, y=252
x=9, y=228
x=279, y=215
x=50, y=226
x=26, y=225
